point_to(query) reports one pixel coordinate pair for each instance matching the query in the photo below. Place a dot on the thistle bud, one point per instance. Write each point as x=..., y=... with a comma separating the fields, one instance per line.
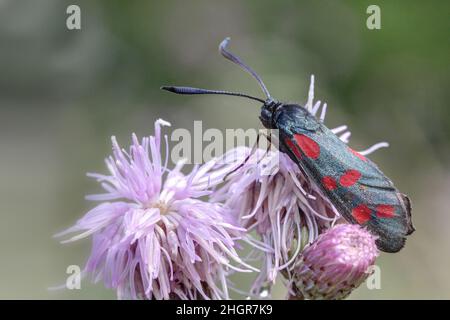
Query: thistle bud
x=337, y=262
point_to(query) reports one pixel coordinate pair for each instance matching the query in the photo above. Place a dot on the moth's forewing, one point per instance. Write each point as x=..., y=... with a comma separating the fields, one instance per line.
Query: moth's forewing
x=353, y=183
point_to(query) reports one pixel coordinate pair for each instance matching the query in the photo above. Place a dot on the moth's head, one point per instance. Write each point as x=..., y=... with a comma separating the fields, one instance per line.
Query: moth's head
x=268, y=110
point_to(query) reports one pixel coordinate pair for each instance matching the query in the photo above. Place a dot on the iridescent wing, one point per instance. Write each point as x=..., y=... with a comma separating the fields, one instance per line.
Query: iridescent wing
x=353, y=183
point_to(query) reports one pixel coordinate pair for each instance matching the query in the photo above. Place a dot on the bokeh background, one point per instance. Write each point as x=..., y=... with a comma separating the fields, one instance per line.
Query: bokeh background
x=64, y=93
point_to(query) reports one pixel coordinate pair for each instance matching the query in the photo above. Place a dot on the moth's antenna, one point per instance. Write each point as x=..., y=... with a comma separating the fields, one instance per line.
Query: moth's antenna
x=235, y=59
x=189, y=90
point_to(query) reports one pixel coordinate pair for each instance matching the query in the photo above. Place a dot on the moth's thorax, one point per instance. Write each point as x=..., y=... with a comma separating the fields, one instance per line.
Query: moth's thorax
x=271, y=109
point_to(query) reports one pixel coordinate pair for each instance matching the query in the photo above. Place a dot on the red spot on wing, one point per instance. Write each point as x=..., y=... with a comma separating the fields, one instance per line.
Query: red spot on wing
x=329, y=183
x=361, y=213
x=309, y=147
x=349, y=178
x=359, y=155
x=293, y=148
x=385, y=211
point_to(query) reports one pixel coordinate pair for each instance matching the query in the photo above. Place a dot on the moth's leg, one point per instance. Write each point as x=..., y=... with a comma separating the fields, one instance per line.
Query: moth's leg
x=253, y=150
x=269, y=139
x=263, y=169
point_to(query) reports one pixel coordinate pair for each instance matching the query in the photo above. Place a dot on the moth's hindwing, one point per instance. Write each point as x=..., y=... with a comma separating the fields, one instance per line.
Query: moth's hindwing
x=353, y=183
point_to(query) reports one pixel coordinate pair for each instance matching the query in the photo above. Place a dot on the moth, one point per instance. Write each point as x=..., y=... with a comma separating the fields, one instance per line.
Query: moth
x=355, y=185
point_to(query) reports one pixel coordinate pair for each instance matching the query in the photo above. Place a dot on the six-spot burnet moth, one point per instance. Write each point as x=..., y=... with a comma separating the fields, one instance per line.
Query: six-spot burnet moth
x=353, y=183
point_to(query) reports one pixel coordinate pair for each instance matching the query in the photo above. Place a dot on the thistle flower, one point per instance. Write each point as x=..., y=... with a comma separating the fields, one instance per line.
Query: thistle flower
x=285, y=208
x=279, y=207
x=152, y=235
x=334, y=264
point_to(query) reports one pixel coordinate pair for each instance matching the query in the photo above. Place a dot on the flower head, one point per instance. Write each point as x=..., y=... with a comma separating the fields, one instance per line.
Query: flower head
x=334, y=264
x=153, y=236
x=281, y=207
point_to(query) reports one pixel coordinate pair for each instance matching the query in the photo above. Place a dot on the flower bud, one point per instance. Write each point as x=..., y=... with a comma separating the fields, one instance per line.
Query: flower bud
x=334, y=264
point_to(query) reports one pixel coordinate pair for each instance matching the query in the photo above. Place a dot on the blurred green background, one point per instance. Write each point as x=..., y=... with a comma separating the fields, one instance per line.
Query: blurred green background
x=64, y=93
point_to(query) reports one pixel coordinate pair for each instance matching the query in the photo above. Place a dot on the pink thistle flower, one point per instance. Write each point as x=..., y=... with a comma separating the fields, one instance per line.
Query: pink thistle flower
x=281, y=207
x=153, y=237
x=337, y=262
x=285, y=208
